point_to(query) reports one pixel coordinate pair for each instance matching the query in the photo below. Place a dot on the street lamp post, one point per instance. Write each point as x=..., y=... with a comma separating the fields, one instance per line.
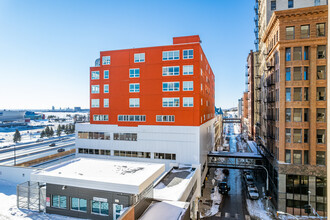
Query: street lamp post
x=15, y=154
x=267, y=184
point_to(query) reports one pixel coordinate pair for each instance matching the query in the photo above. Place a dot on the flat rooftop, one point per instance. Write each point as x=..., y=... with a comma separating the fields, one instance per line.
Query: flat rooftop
x=109, y=175
x=174, y=184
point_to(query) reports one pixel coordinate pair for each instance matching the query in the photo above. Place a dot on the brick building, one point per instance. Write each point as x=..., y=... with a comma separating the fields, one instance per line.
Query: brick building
x=153, y=104
x=250, y=71
x=295, y=105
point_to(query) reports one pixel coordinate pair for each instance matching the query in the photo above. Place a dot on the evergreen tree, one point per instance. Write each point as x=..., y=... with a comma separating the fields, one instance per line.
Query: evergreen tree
x=47, y=132
x=72, y=128
x=59, y=130
x=67, y=129
x=51, y=132
x=17, y=136
x=42, y=134
x=63, y=127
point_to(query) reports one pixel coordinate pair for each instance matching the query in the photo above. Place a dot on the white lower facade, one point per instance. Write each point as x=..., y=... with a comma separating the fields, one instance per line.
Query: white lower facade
x=188, y=144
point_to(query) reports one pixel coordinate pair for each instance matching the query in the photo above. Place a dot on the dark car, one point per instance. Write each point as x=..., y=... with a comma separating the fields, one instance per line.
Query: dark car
x=223, y=187
x=52, y=145
x=61, y=150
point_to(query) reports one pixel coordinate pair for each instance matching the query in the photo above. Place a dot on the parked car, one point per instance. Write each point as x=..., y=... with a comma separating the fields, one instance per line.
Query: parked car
x=52, y=145
x=253, y=192
x=225, y=171
x=223, y=188
x=60, y=150
x=248, y=179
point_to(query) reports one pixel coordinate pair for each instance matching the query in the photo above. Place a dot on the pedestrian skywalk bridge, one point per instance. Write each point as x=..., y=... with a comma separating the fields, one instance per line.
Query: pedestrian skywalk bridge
x=234, y=160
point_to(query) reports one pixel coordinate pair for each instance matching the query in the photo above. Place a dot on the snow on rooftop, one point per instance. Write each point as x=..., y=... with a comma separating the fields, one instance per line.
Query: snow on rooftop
x=174, y=184
x=111, y=175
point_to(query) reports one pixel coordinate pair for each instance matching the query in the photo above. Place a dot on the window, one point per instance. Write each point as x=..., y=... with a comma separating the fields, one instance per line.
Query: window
x=296, y=94
x=320, y=93
x=134, y=103
x=164, y=156
x=296, y=135
x=306, y=73
x=306, y=94
x=131, y=118
x=138, y=154
x=273, y=5
x=171, y=70
x=106, y=88
x=320, y=136
x=171, y=55
x=95, y=75
x=105, y=103
x=288, y=54
x=100, y=208
x=171, y=86
x=304, y=31
x=287, y=156
x=139, y=57
x=288, y=135
x=306, y=115
x=288, y=114
x=288, y=74
x=297, y=157
x=165, y=118
x=95, y=103
x=188, y=85
x=94, y=135
x=201, y=72
x=188, y=102
x=290, y=3
x=106, y=74
x=95, y=89
x=321, y=186
x=306, y=53
x=306, y=158
x=288, y=94
x=297, y=51
x=297, y=184
x=296, y=73
x=320, y=30
x=188, y=70
x=188, y=54
x=316, y=2
x=134, y=73
x=79, y=204
x=100, y=117
x=125, y=136
x=321, y=70
x=106, y=60
x=171, y=102
x=306, y=135
x=289, y=33
x=59, y=201
x=134, y=87
x=320, y=157
x=321, y=52
x=297, y=114
x=320, y=115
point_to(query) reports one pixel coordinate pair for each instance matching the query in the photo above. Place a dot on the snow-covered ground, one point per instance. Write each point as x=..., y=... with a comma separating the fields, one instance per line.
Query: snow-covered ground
x=9, y=210
x=216, y=197
x=257, y=209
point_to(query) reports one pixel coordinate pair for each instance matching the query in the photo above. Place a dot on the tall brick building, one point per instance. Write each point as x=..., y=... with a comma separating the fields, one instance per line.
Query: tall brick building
x=295, y=105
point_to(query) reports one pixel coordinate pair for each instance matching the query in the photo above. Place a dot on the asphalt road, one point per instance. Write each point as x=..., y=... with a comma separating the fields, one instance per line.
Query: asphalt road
x=233, y=205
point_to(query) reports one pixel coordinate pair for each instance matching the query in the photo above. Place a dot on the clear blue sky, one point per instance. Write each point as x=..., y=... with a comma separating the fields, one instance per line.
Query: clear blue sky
x=47, y=47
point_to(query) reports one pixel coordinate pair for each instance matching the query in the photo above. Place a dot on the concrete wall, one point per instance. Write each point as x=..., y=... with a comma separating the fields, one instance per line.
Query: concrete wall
x=15, y=174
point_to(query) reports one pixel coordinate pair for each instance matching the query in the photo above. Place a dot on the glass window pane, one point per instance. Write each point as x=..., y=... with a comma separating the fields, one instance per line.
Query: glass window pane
x=75, y=203
x=55, y=202
x=63, y=202
x=95, y=207
x=104, y=208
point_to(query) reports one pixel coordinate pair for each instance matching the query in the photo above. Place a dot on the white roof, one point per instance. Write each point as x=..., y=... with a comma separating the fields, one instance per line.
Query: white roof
x=110, y=175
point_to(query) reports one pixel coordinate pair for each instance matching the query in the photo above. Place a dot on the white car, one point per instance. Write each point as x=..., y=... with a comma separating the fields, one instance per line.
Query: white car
x=253, y=192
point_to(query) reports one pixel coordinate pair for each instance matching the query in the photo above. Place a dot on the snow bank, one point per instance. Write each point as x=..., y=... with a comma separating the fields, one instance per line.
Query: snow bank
x=257, y=210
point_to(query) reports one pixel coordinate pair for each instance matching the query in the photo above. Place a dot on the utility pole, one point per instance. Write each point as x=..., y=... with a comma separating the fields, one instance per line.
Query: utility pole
x=15, y=154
